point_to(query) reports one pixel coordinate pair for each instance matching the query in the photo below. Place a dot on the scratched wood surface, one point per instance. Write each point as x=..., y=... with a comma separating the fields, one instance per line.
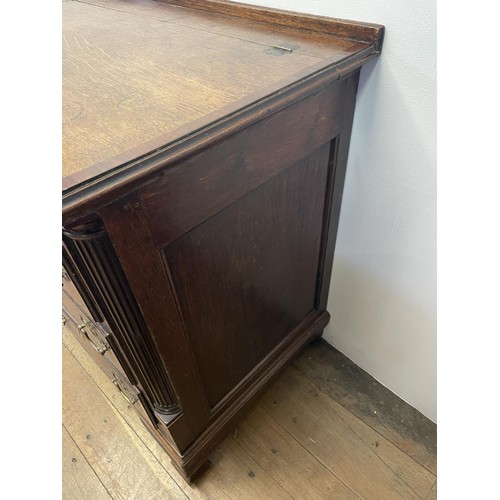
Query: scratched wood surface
x=79, y=480
x=134, y=71
x=298, y=442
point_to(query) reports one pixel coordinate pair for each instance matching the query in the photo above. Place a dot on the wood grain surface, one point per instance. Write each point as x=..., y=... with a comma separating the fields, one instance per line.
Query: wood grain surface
x=133, y=71
x=353, y=30
x=125, y=469
x=294, y=467
x=433, y=493
x=79, y=480
x=376, y=405
x=372, y=466
x=230, y=465
x=260, y=270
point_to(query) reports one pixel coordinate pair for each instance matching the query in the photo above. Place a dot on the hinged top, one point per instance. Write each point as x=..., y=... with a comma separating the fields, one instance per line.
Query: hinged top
x=140, y=76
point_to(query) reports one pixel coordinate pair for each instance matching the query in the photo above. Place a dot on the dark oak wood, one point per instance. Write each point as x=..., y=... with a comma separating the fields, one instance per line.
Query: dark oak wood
x=260, y=283
x=128, y=227
x=205, y=152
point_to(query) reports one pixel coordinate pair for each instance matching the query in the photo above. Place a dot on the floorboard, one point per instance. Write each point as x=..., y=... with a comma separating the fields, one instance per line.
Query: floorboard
x=369, y=400
x=126, y=468
x=362, y=458
x=292, y=465
x=433, y=493
x=79, y=480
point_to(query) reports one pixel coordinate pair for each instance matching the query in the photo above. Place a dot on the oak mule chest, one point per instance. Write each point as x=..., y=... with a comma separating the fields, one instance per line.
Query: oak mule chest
x=204, y=154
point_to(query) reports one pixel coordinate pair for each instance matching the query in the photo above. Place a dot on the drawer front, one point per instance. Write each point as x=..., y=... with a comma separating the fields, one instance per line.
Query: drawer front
x=130, y=393
x=94, y=326
x=94, y=336
x=71, y=324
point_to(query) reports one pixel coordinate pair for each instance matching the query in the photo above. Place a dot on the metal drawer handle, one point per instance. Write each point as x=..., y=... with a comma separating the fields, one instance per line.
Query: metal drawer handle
x=94, y=336
x=125, y=391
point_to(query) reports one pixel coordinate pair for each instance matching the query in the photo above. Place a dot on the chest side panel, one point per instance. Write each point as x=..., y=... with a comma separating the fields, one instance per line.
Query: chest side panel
x=247, y=276
x=225, y=253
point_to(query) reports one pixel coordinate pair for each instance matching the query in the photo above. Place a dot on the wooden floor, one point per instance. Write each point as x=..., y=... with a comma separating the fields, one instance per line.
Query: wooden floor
x=324, y=430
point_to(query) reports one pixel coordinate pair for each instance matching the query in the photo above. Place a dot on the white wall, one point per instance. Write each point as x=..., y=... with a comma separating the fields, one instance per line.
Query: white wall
x=383, y=289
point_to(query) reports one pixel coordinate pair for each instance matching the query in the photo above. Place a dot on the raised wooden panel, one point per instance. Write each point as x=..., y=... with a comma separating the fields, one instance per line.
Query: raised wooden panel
x=247, y=276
